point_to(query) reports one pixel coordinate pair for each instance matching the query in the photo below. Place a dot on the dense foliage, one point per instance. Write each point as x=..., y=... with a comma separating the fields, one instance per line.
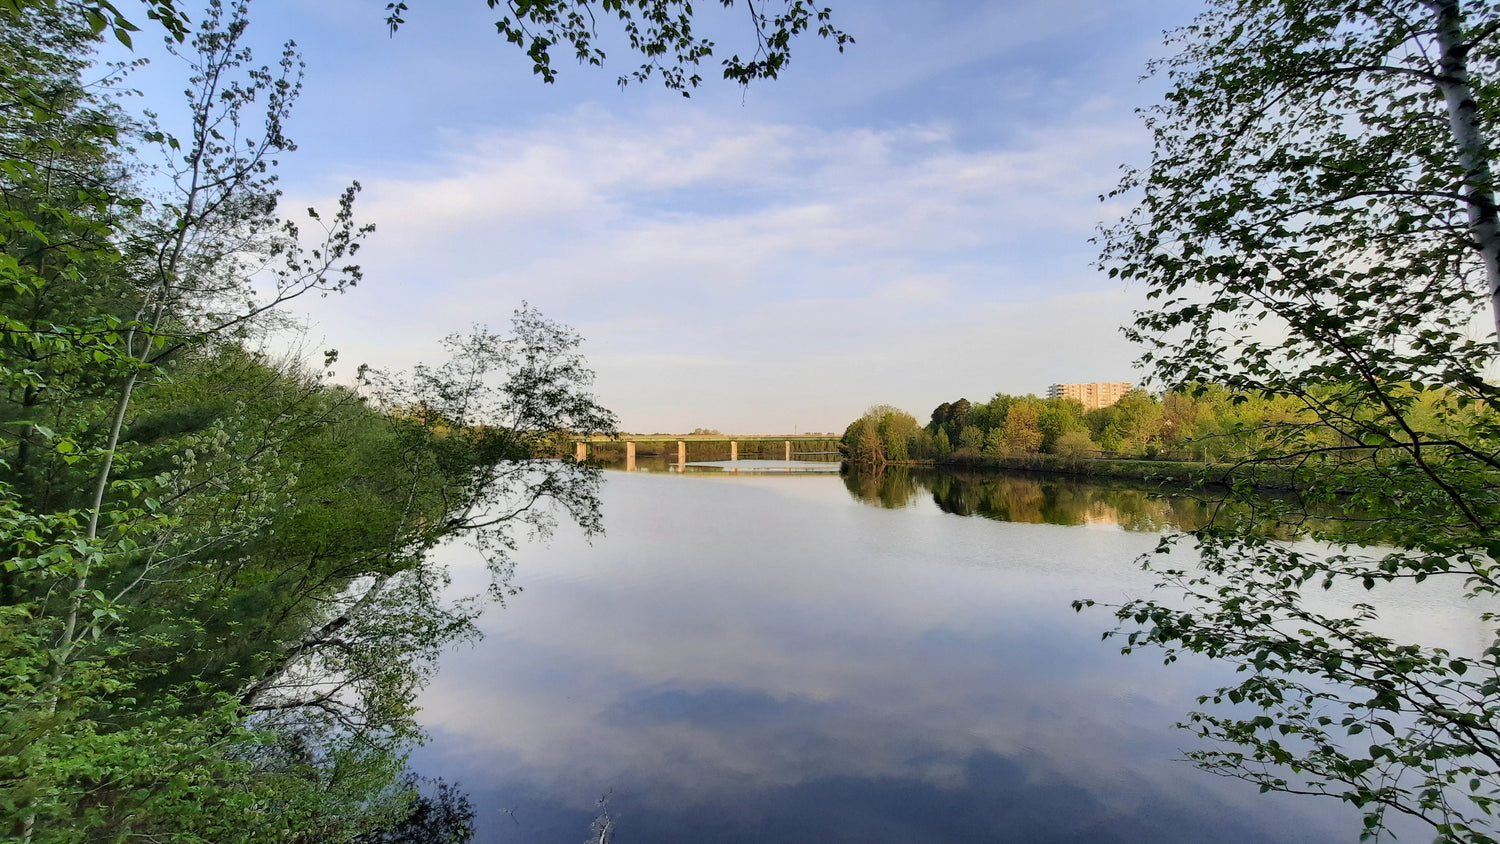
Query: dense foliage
x=1201, y=422
x=215, y=594
x=1317, y=225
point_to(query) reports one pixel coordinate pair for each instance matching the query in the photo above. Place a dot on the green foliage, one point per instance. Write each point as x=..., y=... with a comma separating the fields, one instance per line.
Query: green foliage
x=1020, y=425
x=994, y=443
x=1022, y=433
x=950, y=418
x=1200, y=422
x=882, y=435
x=1057, y=418
x=199, y=619
x=897, y=430
x=1317, y=233
x=660, y=31
x=216, y=600
x=971, y=439
x=941, y=447
x=1074, y=445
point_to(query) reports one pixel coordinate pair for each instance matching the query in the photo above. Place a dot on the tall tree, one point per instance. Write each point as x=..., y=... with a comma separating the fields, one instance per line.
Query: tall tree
x=189, y=527
x=1317, y=226
x=1022, y=432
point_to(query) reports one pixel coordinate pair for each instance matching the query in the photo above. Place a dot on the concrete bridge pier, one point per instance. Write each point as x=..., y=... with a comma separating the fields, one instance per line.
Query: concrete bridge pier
x=581, y=451
x=630, y=457
x=734, y=450
x=788, y=451
x=681, y=455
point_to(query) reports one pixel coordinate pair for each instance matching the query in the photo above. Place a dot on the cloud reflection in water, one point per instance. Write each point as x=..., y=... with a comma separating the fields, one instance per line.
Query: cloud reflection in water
x=766, y=659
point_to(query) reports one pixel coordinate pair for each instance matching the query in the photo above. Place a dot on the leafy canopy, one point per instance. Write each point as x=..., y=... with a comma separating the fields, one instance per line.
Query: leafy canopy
x=1316, y=228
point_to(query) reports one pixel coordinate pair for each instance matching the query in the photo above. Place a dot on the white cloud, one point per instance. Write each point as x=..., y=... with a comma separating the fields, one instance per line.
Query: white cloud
x=874, y=264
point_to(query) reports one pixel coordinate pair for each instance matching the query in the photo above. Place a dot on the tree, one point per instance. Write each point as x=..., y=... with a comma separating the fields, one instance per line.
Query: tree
x=998, y=407
x=660, y=31
x=971, y=439
x=939, y=417
x=994, y=443
x=1181, y=415
x=883, y=434
x=921, y=445
x=1136, y=418
x=1074, y=445
x=1057, y=418
x=957, y=412
x=1022, y=433
x=1317, y=227
x=189, y=527
x=861, y=443
x=897, y=430
x=941, y=446
x=216, y=596
x=60, y=216
x=950, y=418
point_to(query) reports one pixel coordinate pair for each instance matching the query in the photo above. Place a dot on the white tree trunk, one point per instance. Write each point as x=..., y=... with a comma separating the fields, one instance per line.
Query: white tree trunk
x=1473, y=148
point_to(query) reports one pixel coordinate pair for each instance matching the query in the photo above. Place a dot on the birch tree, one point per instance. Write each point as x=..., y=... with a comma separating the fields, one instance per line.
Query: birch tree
x=1317, y=225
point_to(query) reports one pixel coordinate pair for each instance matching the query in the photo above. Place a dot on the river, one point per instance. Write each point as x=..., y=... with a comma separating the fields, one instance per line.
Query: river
x=798, y=657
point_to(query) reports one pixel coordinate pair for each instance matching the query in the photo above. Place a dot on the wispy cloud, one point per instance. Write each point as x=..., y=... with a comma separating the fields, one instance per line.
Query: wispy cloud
x=674, y=240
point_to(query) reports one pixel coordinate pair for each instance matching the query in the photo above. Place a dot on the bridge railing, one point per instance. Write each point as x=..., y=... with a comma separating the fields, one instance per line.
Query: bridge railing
x=704, y=448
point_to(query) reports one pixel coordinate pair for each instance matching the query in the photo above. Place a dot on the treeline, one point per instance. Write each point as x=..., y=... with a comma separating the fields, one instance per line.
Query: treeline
x=1015, y=426
x=216, y=599
x=1205, y=423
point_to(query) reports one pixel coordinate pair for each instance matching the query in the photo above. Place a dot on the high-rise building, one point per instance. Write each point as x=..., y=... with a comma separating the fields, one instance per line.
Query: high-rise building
x=1093, y=396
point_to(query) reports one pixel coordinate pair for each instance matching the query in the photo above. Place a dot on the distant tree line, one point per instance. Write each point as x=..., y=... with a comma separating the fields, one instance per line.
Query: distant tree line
x=1204, y=423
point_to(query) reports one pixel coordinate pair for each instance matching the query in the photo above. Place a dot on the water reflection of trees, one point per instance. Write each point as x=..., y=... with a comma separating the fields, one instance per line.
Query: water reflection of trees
x=892, y=487
x=1033, y=499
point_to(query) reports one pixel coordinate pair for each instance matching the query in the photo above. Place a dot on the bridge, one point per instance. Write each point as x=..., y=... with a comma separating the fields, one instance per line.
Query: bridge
x=706, y=447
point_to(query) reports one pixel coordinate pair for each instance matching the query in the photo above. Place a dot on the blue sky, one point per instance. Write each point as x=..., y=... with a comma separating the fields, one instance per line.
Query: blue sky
x=905, y=223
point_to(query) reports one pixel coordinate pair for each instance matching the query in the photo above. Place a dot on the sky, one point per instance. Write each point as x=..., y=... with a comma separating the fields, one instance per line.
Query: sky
x=906, y=223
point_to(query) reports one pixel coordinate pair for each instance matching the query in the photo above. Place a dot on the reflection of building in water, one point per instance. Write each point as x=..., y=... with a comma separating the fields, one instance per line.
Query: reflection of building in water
x=1093, y=396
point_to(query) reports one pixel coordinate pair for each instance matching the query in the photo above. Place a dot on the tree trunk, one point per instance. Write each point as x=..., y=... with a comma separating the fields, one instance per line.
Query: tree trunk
x=1473, y=150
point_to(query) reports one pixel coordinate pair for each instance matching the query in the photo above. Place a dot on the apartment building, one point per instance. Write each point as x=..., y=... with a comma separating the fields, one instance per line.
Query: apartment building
x=1093, y=396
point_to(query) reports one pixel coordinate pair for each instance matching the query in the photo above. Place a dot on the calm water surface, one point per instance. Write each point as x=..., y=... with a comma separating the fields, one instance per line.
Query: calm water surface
x=793, y=657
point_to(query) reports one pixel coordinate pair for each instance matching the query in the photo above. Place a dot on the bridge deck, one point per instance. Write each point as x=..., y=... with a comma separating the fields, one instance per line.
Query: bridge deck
x=720, y=438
